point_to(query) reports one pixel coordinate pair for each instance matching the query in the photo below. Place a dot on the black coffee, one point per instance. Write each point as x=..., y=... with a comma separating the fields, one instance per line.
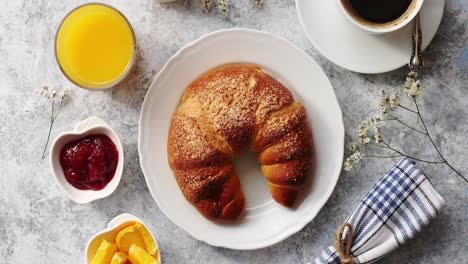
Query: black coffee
x=380, y=11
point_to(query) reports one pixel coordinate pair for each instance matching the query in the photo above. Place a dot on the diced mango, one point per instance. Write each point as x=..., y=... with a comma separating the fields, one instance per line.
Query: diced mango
x=150, y=245
x=138, y=255
x=128, y=236
x=119, y=258
x=104, y=253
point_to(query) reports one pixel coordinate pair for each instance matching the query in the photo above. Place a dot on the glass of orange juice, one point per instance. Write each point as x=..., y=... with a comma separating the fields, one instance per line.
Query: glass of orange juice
x=95, y=46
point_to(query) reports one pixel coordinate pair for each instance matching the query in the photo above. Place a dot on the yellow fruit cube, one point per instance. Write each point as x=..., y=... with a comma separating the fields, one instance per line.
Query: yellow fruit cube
x=119, y=258
x=128, y=236
x=104, y=253
x=138, y=255
x=150, y=245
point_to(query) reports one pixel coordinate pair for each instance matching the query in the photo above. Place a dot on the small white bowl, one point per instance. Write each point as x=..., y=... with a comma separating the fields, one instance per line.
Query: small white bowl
x=91, y=126
x=115, y=225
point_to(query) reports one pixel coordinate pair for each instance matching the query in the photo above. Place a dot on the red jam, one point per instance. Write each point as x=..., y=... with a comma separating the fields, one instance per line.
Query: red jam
x=89, y=163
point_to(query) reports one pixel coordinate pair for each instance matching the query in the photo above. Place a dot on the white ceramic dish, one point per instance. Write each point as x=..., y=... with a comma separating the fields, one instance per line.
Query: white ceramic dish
x=356, y=50
x=265, y=222
x=407, y=17
x=91, y=126
x=114, y=226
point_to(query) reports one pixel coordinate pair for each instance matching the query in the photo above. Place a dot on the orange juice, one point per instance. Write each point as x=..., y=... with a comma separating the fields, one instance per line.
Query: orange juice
x=95, y=46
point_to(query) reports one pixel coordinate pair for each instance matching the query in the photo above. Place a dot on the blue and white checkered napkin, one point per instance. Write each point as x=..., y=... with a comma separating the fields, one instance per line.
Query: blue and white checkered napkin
x=399, y=206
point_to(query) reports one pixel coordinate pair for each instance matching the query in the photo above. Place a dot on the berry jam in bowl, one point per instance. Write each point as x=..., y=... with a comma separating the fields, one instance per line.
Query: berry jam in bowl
x=88, y=161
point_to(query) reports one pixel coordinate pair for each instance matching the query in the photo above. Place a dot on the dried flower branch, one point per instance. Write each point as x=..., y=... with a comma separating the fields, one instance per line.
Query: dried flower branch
x=223, y=7
x=259, y=3
x=387, y=105
x=206, y=5
x=51, y=95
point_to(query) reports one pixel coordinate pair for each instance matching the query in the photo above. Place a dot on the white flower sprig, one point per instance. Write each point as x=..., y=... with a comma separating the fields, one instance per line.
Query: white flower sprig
x=363, y=129
x=223, y=6
x=387, y=105
x=51, y=95
x=206, y=5
x=412, y=85
x=259, y=3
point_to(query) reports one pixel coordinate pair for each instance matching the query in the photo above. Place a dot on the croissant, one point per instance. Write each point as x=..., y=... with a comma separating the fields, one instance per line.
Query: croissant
x=225, y=112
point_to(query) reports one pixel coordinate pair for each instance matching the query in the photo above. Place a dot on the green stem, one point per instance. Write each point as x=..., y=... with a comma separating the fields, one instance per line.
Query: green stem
x=383, y=157
x=427, y=131
x=58, y=110
x=457, y=172
x=433, y=143
x=407, y=108
x=377, y=145
x=411, y=157
x=405, y=124
x=50, y=130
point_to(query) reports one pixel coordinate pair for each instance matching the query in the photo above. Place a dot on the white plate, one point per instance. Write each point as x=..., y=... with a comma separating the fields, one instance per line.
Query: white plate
x=265, y=222
x=356, y=50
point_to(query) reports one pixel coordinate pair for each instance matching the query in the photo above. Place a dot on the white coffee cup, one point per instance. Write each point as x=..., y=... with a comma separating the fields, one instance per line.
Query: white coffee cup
x=379, y=28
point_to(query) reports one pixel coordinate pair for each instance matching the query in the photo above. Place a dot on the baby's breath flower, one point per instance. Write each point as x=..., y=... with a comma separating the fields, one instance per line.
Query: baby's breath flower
x=206, y=5
x=412, y=86
x=223, y=7
x=383, y=102
x=362, y=131
x=394, y=99
x=354, y=158
x=377, y=134
x=348, y=165
x=415, y=89
x=408, y=82
x=259, y=3
x=51, y=94
x=375, y=122
x=378, y=137
x=65, y=93
x=43, y=91
x=364, y=128
x=352, y=147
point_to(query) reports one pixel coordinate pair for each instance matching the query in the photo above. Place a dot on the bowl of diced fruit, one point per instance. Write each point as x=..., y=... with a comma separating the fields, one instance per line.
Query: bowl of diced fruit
x=125, y=240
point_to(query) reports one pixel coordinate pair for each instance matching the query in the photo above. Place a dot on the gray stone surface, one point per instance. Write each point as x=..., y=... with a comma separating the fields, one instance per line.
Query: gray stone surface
x=39, y=224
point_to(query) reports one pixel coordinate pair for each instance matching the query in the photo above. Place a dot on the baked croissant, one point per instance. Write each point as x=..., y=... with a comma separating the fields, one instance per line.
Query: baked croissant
x=227, y=111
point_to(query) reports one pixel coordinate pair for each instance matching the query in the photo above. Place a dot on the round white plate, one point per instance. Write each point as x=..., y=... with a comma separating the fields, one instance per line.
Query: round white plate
x=356, y=50
x=265, y=222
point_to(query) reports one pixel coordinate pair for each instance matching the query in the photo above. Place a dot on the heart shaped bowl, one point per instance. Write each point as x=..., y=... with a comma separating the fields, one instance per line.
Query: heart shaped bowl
x=115, y=225
x=91, y=126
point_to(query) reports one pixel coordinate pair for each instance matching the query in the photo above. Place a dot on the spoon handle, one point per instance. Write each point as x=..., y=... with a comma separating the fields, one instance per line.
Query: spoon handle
x=416, y=61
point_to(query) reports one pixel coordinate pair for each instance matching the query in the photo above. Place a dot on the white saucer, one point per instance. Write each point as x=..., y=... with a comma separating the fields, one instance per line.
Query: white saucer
x=265, y=222
x=356, y=50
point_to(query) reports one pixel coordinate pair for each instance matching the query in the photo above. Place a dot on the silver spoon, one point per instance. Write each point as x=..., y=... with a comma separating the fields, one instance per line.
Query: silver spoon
x=416, y=62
